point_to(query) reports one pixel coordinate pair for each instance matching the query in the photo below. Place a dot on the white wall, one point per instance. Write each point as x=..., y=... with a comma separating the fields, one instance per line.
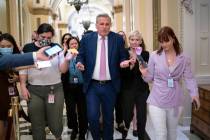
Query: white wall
x=202, y=38
x=196, y=29
x=196, y=44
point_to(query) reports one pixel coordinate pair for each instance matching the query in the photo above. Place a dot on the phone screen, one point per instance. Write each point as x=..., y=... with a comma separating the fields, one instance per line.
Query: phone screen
x=53, y=50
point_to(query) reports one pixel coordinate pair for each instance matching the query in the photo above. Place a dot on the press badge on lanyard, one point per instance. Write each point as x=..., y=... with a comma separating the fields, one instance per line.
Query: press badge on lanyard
x=75, y=80
x=11, y=91
x=170, y=81
x=51, y=96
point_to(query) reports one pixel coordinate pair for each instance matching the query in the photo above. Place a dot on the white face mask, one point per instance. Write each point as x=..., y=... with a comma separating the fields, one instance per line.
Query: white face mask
x=6, y=51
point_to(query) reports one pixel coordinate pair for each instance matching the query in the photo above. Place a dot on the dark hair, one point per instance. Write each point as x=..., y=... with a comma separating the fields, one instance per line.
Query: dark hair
x=45, y=27
x=143, y=46
x=125, y=39
x=164, y=35
x=0, y=32
x=121, y=32
x=71, y=38
x=10, y=38
x=62, y=39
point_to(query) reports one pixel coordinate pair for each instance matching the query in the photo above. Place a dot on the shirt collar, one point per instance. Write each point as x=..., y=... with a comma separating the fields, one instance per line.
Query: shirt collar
x=99, y=37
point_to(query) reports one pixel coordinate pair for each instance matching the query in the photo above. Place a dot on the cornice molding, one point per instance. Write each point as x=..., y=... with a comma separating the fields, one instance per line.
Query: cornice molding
x=41, y=11
x=118, y=8
x=62, y=25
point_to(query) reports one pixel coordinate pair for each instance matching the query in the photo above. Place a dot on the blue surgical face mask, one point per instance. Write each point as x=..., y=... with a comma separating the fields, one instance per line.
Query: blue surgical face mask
x=5, y=51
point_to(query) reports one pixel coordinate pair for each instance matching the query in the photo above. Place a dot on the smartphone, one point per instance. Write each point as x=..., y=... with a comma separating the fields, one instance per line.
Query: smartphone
x=141, y=61
x=53, y=50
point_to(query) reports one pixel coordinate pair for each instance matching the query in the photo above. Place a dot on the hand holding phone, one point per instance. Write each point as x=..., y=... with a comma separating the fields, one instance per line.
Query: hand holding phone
x=53, y=50
x=141, y=61
x=140, y=58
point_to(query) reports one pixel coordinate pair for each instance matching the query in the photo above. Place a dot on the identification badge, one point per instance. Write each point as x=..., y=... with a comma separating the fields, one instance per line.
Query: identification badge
x=51, y=98
x=11, y=91
x=75, y=80
x=170, y=82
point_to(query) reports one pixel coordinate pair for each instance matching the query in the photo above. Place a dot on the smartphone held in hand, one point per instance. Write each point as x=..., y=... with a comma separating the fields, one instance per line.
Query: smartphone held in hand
x=141, y=61
x=53, y=50
x=140, y=58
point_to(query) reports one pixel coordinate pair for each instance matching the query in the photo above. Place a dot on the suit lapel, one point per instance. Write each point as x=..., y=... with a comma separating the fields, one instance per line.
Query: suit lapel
x=110, y=47
x=94, y=47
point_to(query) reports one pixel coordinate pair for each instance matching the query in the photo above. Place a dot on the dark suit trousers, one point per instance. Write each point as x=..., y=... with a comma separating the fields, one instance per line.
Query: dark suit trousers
x=102, y=95
x=119, y=109
x=76, y=108
x=136, y=97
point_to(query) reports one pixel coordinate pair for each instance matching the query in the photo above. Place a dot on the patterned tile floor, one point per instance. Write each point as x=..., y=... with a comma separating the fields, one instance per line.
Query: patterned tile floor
x=183, y=132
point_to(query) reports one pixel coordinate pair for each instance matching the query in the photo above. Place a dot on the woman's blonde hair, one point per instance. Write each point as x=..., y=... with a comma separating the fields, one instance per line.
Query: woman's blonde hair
x=137, y=34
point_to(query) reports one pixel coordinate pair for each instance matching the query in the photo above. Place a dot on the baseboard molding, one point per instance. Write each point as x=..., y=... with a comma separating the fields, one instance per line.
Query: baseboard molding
x=185, y=121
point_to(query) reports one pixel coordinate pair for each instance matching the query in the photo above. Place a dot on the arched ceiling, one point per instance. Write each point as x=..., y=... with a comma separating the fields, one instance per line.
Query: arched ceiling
x=56, y=3
x=67, y=14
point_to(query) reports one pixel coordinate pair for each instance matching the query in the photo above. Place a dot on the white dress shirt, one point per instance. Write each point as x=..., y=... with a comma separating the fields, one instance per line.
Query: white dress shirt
x=98, y=57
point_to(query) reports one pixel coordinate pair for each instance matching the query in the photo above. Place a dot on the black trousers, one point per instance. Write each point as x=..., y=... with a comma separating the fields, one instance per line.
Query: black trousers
x=119, y=109
x=138, y=98
x=76, y=108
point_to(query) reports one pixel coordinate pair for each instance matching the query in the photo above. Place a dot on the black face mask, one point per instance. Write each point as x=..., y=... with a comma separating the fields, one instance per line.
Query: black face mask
x=44, y=42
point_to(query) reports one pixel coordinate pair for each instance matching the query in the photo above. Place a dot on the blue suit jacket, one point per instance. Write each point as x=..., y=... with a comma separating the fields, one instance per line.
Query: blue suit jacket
x=87, y=56
x=15, y=60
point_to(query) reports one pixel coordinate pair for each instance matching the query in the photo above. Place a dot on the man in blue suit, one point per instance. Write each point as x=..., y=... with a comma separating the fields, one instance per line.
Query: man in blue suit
x=101, y=55
x=16, y=60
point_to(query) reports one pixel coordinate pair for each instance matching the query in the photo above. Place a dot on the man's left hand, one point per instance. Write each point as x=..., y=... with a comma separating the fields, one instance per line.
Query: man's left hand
x=125, y=64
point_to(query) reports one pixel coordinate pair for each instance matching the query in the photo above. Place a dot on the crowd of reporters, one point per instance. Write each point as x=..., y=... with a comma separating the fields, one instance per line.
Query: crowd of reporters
x=46, y=89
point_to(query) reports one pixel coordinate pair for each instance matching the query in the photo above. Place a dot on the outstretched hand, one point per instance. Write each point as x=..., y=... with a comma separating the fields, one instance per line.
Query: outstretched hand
x=80, y=66
x=70, y=55
x=125, y=64
x=41, y=55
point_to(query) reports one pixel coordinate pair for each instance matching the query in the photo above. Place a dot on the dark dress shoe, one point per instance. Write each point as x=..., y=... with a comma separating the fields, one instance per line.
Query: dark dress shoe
x=120, y=128
x=135, y=133
x=81, y=137
x=73, y=135
x=124, y=134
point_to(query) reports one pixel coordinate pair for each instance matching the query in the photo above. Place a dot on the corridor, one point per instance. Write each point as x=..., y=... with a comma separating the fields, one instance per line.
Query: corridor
x=183, y=132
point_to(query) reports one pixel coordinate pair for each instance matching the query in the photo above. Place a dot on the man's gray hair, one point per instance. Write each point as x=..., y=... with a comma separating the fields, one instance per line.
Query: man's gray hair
x=103, y=15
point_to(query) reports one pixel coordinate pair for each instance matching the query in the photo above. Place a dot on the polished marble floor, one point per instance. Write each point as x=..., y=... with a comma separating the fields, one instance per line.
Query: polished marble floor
x=183, y=132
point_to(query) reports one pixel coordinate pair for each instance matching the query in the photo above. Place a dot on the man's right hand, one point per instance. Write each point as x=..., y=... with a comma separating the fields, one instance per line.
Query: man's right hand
x=41, y=55
x=80, y=66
